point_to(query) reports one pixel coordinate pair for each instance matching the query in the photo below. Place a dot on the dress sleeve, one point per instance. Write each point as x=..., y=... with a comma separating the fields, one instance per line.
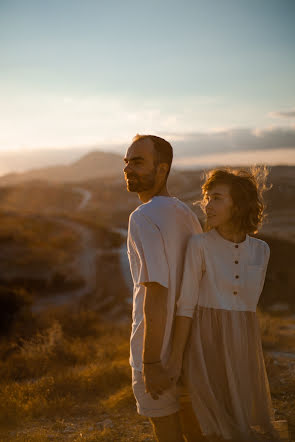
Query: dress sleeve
x=266, y=260
x=148, y=243
x=192, y=275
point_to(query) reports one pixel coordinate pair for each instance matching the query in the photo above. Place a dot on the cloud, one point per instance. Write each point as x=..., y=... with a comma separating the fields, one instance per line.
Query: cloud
x=219, y=146
x=283, y=114
x=269, y=157
x=232, y=140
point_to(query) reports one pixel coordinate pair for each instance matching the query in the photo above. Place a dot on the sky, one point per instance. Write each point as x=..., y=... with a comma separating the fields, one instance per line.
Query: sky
x=216, y=78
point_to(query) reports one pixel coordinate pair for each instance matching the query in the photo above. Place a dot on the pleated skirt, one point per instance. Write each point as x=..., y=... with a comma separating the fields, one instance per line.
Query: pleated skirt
x=225, y=374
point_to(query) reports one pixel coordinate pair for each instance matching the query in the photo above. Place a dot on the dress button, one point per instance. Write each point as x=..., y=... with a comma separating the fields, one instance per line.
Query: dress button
x=235, y=293
x=237, y=276
x=236, y=246
x=236, y=262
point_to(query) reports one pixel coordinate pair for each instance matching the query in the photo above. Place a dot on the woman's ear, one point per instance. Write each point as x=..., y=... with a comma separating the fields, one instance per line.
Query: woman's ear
x=237, y=213
x=235, y=209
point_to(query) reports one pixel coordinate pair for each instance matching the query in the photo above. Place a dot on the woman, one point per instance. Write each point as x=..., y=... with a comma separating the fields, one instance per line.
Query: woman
x=223, y=278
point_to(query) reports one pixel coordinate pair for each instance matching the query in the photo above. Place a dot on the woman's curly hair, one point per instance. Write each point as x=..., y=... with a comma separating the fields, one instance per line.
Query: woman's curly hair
x=246, y=190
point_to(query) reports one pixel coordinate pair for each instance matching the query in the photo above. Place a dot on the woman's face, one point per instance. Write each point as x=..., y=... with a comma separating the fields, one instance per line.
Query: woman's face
x=218, y=206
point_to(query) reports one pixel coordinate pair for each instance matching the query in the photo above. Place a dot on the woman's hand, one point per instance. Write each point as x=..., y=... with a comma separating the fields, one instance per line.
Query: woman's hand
x=174, y=367
x=181, y=332
x=156, y=379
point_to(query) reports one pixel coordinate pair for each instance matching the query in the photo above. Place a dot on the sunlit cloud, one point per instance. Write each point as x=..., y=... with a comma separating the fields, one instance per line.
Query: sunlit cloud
x=283, y=114
x=51, y=129
x=233, y=140
x=58, y=121
x=226, y=146
x=269, y=157
x=48, y=121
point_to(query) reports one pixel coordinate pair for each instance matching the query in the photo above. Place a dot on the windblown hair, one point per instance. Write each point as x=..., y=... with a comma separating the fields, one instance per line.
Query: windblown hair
x=163, y=149
x=246, y=190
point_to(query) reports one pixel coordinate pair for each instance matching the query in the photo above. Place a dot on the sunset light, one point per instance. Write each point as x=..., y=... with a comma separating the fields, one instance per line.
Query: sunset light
x=147, y=220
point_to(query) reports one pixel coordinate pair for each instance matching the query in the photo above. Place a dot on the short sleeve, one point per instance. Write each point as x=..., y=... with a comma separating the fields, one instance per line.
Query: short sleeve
x=193, y=269
x=266, y=254
x=197, y=225
x=149, y=245
x=266, y=260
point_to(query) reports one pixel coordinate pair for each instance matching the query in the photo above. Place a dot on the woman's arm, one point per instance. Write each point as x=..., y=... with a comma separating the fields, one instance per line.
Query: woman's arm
x=188, y=299
x=180, y=336
x=181, y=333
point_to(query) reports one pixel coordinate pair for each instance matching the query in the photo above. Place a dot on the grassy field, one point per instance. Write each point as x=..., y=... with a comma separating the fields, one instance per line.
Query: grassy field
x=34, y=241
x=68, y=379
x=38, y=197
x=64, y=372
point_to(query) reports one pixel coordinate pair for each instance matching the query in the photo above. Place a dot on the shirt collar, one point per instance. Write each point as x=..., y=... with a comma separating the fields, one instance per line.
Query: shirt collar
x=233, y=245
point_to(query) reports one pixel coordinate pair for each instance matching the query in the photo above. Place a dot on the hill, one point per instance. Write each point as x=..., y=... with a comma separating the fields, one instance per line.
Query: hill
x=95, y=164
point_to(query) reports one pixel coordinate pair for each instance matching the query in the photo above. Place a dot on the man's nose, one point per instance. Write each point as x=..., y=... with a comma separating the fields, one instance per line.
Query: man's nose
x=126, y=168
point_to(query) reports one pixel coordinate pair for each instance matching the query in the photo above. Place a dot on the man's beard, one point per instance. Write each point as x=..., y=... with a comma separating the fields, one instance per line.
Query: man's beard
x=141, y=183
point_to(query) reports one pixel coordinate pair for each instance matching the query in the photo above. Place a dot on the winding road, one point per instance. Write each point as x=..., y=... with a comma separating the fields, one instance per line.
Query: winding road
x=86, y=197
x=85, y=262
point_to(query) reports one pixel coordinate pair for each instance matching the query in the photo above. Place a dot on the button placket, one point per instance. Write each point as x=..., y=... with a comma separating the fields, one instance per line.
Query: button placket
x=236, y=276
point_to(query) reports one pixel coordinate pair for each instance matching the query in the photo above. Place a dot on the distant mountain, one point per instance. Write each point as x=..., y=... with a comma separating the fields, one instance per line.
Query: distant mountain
x=95, y=164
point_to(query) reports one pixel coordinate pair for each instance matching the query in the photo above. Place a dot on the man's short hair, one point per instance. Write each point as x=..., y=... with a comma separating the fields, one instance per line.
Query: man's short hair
x=164, y=151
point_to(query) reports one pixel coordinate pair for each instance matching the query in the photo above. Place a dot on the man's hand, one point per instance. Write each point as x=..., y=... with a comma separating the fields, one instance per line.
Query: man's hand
x=156, y=379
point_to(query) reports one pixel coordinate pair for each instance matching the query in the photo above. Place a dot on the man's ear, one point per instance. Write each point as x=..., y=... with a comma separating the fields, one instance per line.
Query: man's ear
x=163, y=169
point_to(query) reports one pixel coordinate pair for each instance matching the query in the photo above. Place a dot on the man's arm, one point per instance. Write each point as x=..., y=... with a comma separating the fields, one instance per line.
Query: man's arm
x=155, y=315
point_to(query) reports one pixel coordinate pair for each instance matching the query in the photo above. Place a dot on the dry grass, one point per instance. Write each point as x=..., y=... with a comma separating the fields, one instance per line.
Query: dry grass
x=71, y=381
x=38, y=197
x=94, y=219
x=69, y=378
x=30, y=241
x=50, y=381
x=278, y=340
x=64, y=375
x=269, y=327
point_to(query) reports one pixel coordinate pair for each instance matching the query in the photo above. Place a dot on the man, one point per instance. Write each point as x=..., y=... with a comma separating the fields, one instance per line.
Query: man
x=157, y=237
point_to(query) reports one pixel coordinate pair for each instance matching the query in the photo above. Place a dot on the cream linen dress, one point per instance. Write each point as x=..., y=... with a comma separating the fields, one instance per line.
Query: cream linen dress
x=223, y=363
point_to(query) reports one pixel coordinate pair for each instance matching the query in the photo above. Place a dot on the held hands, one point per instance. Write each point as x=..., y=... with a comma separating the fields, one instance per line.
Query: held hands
x=156, y=379
x=174, y=367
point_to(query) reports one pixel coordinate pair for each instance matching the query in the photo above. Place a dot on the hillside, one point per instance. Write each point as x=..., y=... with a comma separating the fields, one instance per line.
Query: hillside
x=112, y=203
x=93, y=165
x=64, y=367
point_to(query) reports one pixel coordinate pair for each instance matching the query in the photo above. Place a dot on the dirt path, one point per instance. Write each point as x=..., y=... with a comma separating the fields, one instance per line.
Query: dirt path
x=86, y=197
x=124, y=262
x=85, y=262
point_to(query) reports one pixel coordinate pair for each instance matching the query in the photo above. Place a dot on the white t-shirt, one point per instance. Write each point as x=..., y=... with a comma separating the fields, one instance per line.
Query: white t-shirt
x=221, y=274
x=157, y=237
